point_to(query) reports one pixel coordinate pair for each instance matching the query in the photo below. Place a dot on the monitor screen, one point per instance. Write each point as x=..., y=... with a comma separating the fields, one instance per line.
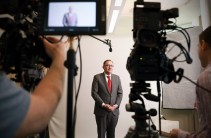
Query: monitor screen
x=74, y=17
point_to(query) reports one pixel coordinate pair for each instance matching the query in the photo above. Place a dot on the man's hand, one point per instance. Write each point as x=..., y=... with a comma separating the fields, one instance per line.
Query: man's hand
x=107, y=107
x=110, y=108
x=113, y=107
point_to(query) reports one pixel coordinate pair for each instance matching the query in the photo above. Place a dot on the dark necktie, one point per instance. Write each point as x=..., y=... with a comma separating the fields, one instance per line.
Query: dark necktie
x=109, y=84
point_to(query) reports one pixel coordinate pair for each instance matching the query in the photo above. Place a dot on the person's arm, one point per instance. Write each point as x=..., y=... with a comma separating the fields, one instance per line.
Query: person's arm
x=47, y=94
x=118, y=98
x=76, y=20
x=205, y=100
x=119, y=94
x=64, y=20
x=178, y=133
x=94, y=92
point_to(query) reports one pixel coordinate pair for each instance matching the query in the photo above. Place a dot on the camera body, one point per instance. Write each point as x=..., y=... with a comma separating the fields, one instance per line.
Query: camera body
x=147, y=60
x=149, y=16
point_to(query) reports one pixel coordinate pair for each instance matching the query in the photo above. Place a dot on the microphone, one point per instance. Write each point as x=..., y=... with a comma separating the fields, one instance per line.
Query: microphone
x=110, y=49
x=151, y=97
x=109, y=43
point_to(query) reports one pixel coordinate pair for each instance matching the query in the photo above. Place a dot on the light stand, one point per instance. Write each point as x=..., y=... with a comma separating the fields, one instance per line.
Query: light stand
x=159, y=113
x=70, y=64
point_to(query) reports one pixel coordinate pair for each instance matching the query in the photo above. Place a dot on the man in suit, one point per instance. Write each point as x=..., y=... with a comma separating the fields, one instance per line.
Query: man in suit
x=70, y=18
x=107, y=93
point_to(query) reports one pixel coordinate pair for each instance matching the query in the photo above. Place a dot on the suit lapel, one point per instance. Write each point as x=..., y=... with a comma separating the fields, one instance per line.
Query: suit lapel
x=104, y=81
x=112, y=82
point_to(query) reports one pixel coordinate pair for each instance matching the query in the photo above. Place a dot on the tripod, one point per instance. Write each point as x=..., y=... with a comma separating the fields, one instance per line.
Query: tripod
x=142, y=117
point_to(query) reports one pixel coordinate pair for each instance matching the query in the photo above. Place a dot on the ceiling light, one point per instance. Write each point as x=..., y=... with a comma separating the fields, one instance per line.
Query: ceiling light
x=114, y=15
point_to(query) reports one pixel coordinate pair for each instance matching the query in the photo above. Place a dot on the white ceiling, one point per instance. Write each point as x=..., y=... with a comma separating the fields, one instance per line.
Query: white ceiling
x=189, y=13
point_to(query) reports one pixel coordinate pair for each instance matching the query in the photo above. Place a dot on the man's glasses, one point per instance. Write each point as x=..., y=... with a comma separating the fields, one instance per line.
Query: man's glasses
x=109, y=65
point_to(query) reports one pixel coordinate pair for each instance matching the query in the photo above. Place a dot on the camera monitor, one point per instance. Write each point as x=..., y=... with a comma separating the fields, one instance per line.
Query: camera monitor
x=73, y=17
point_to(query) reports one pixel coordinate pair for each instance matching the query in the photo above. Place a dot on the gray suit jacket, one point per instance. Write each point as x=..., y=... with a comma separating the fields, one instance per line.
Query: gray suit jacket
x=68, y=22
x=101, y=94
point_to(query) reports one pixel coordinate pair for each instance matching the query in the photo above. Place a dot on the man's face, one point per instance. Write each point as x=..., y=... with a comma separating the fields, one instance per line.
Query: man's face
x=70, y=9
x=108, y=67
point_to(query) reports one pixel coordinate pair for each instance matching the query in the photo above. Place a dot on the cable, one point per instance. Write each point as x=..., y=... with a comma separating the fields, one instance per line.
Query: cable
x=80, y=57
x=77, y=90
x=186, y=35
x=184, y=51
x=209, y=91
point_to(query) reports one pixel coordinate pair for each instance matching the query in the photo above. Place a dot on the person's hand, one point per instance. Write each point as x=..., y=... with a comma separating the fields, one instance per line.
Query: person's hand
x=174, y=133
x=106, y=106
x=113, y=107
x=55, y=48
x=110, y=108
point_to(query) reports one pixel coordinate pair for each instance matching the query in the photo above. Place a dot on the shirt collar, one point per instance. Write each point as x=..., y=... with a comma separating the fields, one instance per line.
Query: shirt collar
x=106, y=75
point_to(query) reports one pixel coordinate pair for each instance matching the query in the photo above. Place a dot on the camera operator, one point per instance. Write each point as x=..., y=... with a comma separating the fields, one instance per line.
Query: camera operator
x=23, y=114
x=203, y=97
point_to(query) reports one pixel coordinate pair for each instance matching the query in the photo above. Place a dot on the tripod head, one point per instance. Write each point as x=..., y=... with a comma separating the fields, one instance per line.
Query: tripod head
x=142, y=117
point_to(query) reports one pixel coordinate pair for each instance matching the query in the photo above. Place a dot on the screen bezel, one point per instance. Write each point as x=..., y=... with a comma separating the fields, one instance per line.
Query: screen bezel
x=99, y=29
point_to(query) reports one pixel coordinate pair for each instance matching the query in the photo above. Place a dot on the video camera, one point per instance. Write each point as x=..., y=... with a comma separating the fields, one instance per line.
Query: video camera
x=148, y=61
x=23, y=21
x=22, y=52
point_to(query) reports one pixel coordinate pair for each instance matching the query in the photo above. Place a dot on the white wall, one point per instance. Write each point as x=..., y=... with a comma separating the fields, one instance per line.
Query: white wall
x=94, y=53
x=205, y=13
x=182, y=95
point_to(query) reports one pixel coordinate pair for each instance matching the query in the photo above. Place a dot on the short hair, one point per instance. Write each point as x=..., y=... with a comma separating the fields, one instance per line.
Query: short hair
x=206, y=36
x=106, y=61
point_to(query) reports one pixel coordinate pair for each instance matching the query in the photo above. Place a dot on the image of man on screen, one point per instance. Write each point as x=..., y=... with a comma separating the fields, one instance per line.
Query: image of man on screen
x=70, y=18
